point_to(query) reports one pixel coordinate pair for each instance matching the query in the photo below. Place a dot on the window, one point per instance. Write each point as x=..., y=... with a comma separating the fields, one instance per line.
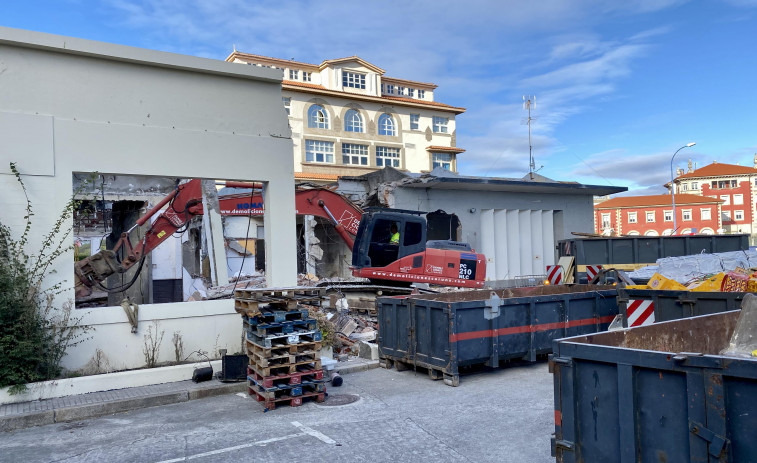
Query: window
x=386, y=125
x=294, y=74
x=631, y=217
x=401, y=91
x=738, y=215
x=287, y=104
x=686, y=214
x=390, y=89
x=307, y=76
x=411, y=92
x=422, y=95
x=386, y=156
x=353, y=121
x=726, y=199
x=413, y=234
x=705, y=214
x=317, y=117
x=414, y=121
x=685, y=186
x=356, y=155
x=443, y=160
x=726, y=216
x=440, y=124
x=694, y=185
x=606, y=220
x=319, y=151
x=667, y=216
x=738, y=199
x=734, y=184
x=650, y=216
x=353, y=80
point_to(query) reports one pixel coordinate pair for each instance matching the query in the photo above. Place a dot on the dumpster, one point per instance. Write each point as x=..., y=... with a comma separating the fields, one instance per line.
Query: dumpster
x=632, y=252
x=655, y=393
x=444, y=332
x=646, y=306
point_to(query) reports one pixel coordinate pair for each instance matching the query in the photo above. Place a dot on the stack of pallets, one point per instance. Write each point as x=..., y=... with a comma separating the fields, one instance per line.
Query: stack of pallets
x=283, y=344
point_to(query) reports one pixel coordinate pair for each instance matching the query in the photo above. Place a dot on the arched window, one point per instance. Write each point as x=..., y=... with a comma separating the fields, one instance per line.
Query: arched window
x=353, y=122
x=318, y=118
x=651, y=233
x=386, y=125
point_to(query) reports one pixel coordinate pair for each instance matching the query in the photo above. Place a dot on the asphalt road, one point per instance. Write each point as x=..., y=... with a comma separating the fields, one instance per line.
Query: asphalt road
x=503, y=415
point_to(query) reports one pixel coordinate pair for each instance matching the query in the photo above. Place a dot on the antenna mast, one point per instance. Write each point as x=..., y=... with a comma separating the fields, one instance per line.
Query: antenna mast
x=528, y=103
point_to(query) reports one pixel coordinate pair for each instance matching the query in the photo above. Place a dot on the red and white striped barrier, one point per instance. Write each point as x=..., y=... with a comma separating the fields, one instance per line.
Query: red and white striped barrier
x=640, y=312
x=592, y=271
x=554, y=274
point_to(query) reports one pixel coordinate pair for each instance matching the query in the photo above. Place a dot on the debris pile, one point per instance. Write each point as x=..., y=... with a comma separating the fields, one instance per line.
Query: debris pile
x=718, y=272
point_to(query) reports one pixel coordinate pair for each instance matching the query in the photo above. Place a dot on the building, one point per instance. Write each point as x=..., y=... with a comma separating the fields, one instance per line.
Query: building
x=653, y=215
x=348, y=118
x=735, y=185
x=515, y=223
x=71, y=106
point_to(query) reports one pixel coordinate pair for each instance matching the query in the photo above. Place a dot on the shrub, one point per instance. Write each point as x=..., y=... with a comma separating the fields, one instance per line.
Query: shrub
x=34, y=333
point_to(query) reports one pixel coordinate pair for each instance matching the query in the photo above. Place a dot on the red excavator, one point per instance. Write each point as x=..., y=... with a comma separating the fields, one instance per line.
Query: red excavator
x=375, y=255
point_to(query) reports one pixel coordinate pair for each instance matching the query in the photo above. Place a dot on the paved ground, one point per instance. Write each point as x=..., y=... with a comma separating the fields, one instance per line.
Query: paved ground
x=503, y=415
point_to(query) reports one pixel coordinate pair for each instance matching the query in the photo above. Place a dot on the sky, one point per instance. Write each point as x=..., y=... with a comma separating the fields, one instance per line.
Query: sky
x=619, y=86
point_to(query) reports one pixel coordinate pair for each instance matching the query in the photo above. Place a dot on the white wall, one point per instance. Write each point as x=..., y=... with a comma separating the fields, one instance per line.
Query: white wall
x=69, y=105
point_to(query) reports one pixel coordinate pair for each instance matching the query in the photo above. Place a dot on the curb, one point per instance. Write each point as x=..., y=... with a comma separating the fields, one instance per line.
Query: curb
x=85, y=411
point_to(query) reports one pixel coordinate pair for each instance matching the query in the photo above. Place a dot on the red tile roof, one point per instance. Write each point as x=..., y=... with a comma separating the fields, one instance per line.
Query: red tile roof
x=432, y=103
x=448, y=149
x=655, y=200
x=294, y=83
x=719, y=170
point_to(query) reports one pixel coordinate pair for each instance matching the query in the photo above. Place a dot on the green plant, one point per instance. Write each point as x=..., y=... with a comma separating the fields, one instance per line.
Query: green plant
x=34, y=333
x=151, y=348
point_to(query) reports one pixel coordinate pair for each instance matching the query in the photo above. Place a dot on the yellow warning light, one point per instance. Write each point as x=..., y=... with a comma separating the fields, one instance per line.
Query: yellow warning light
x=546, y=282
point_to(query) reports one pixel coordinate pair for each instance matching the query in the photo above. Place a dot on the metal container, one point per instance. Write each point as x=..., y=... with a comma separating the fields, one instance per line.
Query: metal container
x=665, y=305
x=632, y=252
x=447, y=331
x=659, y=393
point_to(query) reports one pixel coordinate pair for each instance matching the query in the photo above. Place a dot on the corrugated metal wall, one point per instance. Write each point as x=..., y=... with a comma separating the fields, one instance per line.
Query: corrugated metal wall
x=517, y=242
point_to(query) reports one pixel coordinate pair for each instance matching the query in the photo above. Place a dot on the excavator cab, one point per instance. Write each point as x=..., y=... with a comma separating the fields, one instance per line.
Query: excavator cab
x=373, y=244
x=411, y=258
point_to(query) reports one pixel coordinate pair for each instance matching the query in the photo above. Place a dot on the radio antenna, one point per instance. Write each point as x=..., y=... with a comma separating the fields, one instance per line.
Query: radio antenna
x=528, y=103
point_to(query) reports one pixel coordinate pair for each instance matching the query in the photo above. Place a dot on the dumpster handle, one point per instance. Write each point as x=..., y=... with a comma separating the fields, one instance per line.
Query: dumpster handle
x=717, y=443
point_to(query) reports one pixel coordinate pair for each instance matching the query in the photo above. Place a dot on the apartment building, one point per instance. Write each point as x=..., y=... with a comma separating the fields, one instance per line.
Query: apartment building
x=734, y=185
x=348, y=118
x=652, y=215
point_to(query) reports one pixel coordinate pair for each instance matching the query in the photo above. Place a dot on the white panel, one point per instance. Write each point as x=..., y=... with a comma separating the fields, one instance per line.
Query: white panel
x=524, y=235
x=537, y=244
x=487, y=242
x=513, y=244
x=548, y=237
x=27, y=140
x=500, y=243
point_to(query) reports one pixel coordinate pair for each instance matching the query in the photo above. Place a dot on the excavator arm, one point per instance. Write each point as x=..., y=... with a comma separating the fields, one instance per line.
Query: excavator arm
x=184, y=203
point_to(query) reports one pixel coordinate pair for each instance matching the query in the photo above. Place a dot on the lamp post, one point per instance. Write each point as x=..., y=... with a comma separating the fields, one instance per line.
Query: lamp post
x=673, y=187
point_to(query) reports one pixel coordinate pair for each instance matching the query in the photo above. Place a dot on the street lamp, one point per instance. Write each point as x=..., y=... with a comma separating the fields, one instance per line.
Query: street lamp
x=673, y=187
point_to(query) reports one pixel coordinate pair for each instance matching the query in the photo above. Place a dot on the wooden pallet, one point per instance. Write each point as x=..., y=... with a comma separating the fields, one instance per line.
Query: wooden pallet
x=265, y=330
x=287, y=359
x=296, y=337
x=277, y=350
x=289, y=378
x=276, y=316
x=270, y=404
x=293, y=390
x=274, y=370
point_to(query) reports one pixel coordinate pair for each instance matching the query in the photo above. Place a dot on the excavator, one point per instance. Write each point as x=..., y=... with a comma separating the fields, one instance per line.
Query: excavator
x=411, y=259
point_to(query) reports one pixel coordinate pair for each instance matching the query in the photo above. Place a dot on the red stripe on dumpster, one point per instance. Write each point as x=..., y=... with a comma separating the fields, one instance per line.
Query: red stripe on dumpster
x=528, y=329
x=558, y=418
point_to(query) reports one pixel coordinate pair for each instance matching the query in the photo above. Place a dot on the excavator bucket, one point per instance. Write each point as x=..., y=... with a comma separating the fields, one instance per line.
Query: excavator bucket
x=94, y=269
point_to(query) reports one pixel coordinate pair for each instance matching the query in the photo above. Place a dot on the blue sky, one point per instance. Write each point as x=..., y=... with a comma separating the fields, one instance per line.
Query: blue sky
x=619, y=85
